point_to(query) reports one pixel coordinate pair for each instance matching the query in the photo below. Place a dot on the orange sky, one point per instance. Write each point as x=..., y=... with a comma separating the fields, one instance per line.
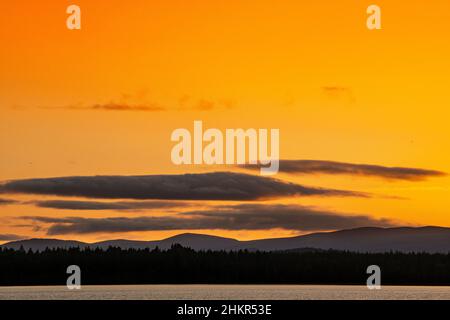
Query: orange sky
x=251, y=64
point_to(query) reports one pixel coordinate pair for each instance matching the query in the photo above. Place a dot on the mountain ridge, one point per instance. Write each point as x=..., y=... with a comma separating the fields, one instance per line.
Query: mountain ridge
x=432, y=239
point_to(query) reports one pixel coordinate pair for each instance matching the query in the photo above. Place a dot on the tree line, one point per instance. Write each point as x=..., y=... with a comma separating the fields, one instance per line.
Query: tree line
x=179, y=265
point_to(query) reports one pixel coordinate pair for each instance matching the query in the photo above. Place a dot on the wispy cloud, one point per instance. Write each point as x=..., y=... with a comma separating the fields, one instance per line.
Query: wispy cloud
x=126, y=107
x=130, y=103
x=333, y=167
x=237, y=217
x=339, y=92
x=202, y=186
x=187, y=102
x=10, y=237
x=4, y=202
x=115, y=107
x=334, y=89
x=117, y=205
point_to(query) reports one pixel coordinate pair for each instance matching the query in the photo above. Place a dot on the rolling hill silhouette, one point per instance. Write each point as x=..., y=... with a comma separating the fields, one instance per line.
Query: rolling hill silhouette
x=367, y=239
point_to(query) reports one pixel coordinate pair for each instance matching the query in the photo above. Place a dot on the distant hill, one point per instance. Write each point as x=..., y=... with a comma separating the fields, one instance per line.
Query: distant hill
x=199, y=242
x=191, y=240
x=42, y=244
x=368, y=239
x=405, y=239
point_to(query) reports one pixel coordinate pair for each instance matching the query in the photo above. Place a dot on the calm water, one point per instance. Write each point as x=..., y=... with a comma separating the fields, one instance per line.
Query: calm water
x=245, y=292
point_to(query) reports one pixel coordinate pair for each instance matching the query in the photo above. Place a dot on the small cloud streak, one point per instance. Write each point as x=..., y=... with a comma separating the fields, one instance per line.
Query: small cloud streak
x=186, y=102
x=115, y=107
x=333, y=89
x=128, y=103
x=342, y=168
x=126, y=107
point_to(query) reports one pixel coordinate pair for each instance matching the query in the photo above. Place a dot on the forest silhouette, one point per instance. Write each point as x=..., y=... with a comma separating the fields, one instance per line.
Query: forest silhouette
x=179, y=265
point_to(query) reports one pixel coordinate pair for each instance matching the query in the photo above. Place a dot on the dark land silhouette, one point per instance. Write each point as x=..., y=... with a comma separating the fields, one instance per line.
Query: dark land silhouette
x=179, y=265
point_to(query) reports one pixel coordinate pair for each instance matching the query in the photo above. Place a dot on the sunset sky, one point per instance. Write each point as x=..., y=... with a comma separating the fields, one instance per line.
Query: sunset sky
x=104, y=100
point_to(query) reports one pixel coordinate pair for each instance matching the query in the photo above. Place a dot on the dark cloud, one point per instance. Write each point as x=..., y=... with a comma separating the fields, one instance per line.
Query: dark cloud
x=237, y=217
x=4, y=202
x=202, y=186
x=118, y=205
x=10, y=237
x=289, y=217
x=333, y=167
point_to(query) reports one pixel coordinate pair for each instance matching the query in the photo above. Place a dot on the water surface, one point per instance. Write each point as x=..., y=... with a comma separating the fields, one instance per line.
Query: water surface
x=225, y=292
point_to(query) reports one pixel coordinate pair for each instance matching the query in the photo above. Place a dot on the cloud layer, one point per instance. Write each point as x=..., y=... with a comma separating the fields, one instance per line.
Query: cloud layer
x=202, y=186
x=10, y=237
x=333, y=167
x=4, y=202
x=236, y=217
x=117, y=205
